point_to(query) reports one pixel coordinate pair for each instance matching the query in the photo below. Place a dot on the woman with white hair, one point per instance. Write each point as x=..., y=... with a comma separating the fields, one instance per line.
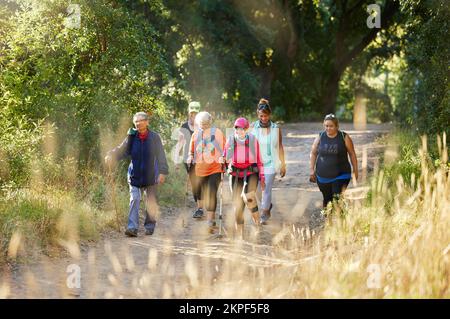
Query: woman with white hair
x=206, y=148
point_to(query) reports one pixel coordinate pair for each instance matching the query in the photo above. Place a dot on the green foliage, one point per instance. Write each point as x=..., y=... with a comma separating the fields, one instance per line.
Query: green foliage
x=34, y=219
x=173, y=191
x=424, y=91
x=408, y=162
x=82, y=79
x=19, y=141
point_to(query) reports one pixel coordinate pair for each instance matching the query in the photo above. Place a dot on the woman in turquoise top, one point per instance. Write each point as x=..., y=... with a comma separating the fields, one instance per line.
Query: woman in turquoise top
x=271, y=144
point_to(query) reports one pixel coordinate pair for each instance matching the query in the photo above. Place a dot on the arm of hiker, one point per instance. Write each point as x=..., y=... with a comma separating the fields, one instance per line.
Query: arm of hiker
x=227, y=151
x=351, y=151
x=260, y=165
x=161, y=159
x=312, y=160
x=228, y=154
x=118, y=153
x=281, y=154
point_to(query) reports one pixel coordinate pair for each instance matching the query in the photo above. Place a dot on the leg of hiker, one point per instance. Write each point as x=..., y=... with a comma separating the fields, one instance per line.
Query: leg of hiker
x=266, y=201
x=133, y=216
x=151, y=210
x=338, y=187
x=196, y=191
x=211, y=186
x=327, y=192
x=252, y=185
x=238, y=204
x=197, y=186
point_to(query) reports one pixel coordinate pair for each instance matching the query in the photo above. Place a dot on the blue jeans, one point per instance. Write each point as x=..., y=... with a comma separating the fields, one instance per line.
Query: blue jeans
x=266, y=199
x=151, y=207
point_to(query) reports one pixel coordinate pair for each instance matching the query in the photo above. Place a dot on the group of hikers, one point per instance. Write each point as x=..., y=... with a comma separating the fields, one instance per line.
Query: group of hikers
x=252, y=156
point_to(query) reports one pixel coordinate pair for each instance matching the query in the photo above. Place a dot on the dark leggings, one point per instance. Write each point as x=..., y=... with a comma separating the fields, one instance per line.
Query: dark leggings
x=193, y=181
x=333, y=189
x=238, y=201
x=205, y=188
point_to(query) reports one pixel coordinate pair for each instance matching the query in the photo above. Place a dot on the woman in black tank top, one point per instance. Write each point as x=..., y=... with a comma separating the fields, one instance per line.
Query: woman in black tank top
x=329, y=165
x=184, y=138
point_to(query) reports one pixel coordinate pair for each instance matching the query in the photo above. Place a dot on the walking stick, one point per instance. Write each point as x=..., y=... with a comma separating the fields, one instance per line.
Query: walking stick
x=221, y=228
x=186, y=193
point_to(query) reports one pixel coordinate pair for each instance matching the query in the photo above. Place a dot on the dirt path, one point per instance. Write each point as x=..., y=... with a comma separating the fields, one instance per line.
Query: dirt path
x=180, y=260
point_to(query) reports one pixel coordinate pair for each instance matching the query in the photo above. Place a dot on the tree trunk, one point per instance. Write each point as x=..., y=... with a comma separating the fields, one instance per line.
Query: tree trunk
x=359, y=111
x=330, y=93
x=267, y=76
x=285, y=52
x=344, y=58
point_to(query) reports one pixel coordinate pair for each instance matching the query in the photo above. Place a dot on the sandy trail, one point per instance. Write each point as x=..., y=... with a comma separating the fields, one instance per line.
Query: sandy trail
x=181, y=260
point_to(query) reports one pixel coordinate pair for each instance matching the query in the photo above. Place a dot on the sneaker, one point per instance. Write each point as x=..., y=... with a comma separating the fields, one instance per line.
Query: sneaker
x=198, y=213
x=263, y=219
x=131, y=232
x=149, y=231
x=265, y=215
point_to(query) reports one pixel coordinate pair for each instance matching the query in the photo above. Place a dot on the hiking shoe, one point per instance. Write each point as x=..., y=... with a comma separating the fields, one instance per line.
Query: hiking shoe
x=264, y=217
x=149, y=231
x=198, y=213
x=131, y=232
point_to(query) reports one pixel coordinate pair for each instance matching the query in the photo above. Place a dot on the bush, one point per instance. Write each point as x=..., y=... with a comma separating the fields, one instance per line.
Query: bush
x=46, y=220
x=172, y=192
x=408, y=159
x=19, y=142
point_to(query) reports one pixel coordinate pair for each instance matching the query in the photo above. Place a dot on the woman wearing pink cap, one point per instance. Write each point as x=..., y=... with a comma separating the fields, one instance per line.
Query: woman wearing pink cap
x=243, y=158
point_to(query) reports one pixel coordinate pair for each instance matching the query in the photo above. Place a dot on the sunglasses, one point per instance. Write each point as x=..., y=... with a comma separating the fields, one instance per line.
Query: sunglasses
x=330, y=116
x=239, y=128
x=263, y=106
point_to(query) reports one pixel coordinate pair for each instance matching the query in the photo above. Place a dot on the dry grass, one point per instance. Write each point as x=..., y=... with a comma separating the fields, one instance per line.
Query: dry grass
x=395, y=245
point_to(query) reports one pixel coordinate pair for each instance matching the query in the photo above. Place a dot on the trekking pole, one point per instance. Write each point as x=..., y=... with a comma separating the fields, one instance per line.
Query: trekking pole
x=186, y=191
x=220, y=235
x=220, y=204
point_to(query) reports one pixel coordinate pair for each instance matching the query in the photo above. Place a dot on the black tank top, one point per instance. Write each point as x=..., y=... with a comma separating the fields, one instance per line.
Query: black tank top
x=186, y=126
x=187, y=132
x=332, y=159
